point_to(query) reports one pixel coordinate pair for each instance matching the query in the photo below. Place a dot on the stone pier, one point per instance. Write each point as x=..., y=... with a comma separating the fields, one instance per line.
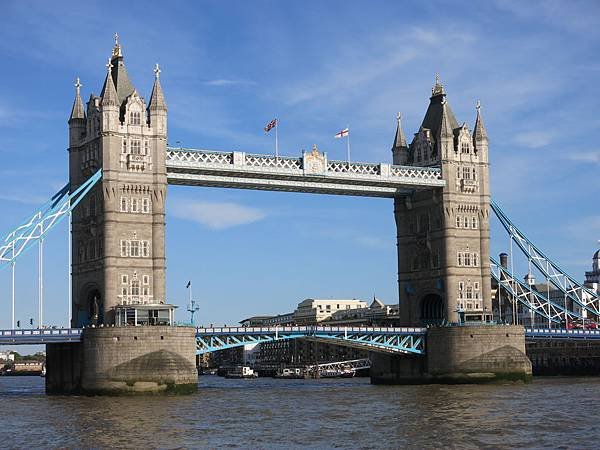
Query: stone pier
x=460, y=354
x=124, y=360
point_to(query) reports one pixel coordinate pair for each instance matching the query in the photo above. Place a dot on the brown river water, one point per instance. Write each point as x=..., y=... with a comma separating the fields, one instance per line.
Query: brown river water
x=327, y=413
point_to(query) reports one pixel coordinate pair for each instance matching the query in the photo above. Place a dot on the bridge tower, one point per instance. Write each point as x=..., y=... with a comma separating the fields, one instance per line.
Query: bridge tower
x=443, y=235
x=118, y=233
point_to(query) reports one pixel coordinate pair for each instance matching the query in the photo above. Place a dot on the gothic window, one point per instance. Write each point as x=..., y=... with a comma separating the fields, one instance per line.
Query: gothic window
x=146, y=291
x=146, y=148
x=100, y=246
x=145, y=249
x=134, y=205
x=124, y=279
x=474, y=173
x=123, y=204
x=467, y=173
x=467, y=257
x=124, y=149
x=134, y=118
x=475, y=259
x=135, y=147
x=124, y=248
x=146, y=280
x=135, y=287
x=461, y=285
x=135, y=249
x=460, y=258
x=92, y=250
x=458, y=221
x=474, y=222
x=146, y=205
x=124, y=291
x=465, y=148
x=466, y=222
x=476, y=285
x=469, y=293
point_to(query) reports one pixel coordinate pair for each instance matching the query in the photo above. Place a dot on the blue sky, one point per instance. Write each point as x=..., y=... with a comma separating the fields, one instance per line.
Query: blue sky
x=230, y=67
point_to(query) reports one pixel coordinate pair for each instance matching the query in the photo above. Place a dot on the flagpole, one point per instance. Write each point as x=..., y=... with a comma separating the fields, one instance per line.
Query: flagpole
x=348, y=135
x=276, y=139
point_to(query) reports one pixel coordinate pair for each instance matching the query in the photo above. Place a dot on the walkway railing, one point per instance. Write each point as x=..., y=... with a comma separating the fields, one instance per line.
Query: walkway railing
x=40, y=336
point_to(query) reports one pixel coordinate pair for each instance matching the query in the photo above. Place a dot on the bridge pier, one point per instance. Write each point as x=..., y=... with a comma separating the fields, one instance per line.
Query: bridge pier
x=462, y=354
x=124, y=360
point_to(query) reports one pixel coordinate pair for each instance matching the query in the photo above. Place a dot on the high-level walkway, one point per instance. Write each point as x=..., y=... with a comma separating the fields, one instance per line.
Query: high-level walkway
x=311, y=173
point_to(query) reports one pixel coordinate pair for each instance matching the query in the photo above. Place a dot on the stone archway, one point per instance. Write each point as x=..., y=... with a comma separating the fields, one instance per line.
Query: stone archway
x=432, y=310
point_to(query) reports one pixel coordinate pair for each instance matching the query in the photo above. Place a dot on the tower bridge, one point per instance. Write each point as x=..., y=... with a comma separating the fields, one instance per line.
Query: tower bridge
x=119, y=170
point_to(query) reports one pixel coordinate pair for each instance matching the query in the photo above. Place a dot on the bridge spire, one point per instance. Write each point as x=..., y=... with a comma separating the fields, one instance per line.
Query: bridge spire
x=157, y=98
x=479, y=131
x=77, y=112
x=400, y=148
x=109, y=93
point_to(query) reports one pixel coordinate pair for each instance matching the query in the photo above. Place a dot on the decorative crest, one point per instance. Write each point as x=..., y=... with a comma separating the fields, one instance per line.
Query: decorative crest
x=398, y=117
x=478, y=105
x=315, y=150
x=156, y=71
x=117, y=48
x=78, y=86
x=439, y=87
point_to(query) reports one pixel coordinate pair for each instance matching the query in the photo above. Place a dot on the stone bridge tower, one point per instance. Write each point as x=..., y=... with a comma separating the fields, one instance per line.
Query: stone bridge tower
x=118, y=232
x=443, y=235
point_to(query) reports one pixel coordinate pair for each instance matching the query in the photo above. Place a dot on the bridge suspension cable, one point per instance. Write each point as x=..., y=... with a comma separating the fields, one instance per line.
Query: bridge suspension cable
x=36, y=227
x=572, y=289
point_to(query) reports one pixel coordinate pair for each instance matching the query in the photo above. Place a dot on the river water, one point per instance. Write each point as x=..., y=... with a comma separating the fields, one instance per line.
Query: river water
x=329, y=413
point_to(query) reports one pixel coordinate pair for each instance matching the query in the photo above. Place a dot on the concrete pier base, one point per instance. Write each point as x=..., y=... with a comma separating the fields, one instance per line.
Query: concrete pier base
x=467, y=354
x=124, y=360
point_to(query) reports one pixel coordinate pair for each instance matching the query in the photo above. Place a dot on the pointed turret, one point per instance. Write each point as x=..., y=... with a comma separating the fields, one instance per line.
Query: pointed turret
x=77, y=117
x=120, y=78
x=109, y=93
x=157, y=109
x=400, y=148
x=157, y=98
x=77, y=112
x=479, y=132
x=439, y=118
x=109, y=101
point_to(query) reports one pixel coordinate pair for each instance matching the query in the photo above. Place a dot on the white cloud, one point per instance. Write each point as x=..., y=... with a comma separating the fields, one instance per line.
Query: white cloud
x=534, y=139
x=217, y=215
x=591, y=156
x=219, y=82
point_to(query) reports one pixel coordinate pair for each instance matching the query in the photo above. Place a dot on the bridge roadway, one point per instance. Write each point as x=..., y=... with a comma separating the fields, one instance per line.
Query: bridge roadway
x=311, y=173
x=379, y=339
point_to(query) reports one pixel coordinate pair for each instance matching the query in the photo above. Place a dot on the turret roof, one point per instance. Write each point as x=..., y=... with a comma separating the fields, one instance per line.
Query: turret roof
x=77, y=112
x=400, y=139
x=157, y=98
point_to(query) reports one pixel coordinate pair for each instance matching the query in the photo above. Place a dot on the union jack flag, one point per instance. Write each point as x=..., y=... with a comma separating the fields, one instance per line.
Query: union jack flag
x=270, y=125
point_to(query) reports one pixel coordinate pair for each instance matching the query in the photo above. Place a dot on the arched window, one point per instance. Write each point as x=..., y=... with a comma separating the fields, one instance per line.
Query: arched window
x=474, y=222
x=134, y=118
x=123, y=204
x=135, y=287
x=458, y=221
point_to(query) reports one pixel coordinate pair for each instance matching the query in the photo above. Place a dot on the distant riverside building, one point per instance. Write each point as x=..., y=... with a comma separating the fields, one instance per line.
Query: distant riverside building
x=312, y=311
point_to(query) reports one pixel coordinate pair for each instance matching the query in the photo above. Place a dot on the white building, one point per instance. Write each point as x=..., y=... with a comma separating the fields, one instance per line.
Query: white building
x=313, y=310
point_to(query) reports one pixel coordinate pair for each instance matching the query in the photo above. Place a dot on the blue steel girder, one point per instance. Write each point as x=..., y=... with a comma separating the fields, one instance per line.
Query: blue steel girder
x=534, y=300
x=394, y=340
x=575, y=291
x=36, y=227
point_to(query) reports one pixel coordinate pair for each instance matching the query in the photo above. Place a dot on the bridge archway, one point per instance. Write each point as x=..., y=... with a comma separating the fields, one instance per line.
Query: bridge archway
x=91, y=310
x=432, y=310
